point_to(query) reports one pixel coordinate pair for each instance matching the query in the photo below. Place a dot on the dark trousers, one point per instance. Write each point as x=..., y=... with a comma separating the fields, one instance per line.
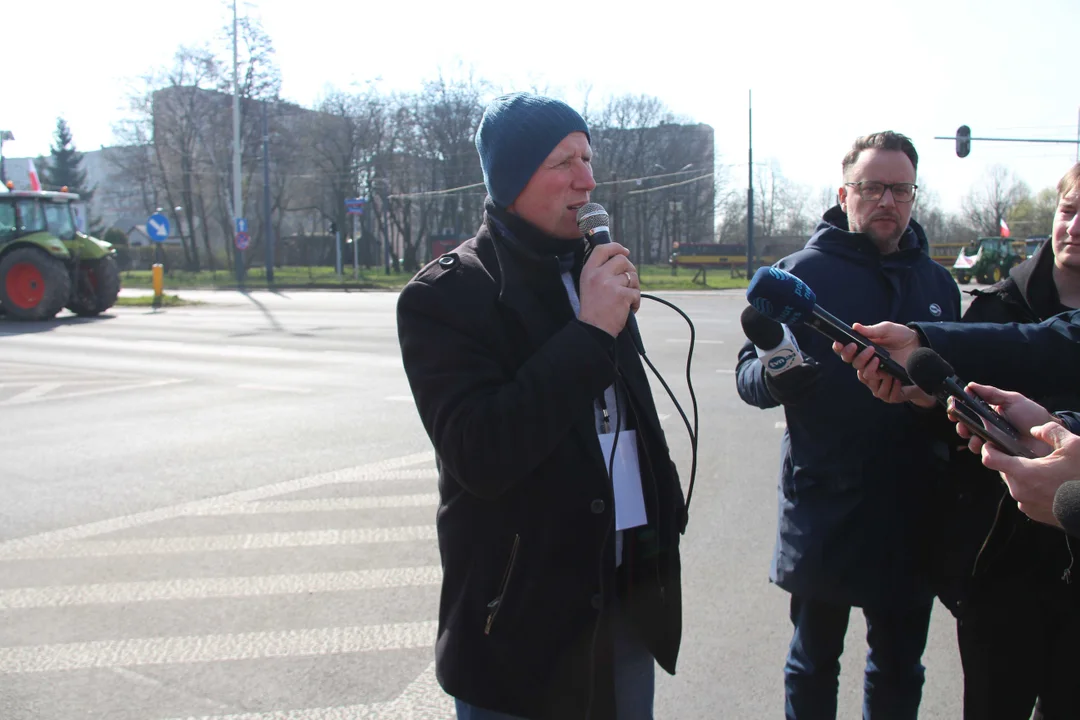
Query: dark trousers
x=1019, y=643
x=893, y=680
x=635, y=678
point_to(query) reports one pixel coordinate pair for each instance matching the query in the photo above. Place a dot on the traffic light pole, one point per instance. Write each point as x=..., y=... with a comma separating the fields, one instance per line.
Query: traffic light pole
x=963, y=140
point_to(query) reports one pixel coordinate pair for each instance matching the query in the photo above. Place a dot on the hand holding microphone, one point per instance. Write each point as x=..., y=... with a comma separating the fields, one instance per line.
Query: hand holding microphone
x=610, y=288
x=935, y=377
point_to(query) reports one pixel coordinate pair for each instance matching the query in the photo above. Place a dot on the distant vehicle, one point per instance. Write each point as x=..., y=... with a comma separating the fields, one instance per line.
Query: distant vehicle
x=46, y=264
x=987, y=260
x=1032, y=244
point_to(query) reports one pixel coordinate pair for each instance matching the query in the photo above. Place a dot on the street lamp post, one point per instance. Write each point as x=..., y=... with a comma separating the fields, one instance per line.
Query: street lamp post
x=385, y=184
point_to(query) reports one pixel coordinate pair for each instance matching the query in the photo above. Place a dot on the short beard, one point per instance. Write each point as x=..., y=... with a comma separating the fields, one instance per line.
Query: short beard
x=888, y=244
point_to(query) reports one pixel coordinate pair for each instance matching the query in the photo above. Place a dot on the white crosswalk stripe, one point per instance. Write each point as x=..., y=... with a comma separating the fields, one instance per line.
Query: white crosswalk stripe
x=142, y=643
x=215, y=648
x=224, y=543
x=201, y=588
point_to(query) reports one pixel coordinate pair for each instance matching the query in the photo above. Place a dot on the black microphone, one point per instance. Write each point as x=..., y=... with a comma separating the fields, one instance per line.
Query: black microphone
x=779, y=295
x=1067, y=507
x=776, y=346
x=593, y=221
x=936, y=377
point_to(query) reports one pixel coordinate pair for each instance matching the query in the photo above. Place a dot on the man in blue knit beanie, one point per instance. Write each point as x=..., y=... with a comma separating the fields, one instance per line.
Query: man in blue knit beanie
x=556, y=604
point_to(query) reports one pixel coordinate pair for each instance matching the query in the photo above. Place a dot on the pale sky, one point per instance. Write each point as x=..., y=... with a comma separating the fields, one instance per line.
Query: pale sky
x=821, y=73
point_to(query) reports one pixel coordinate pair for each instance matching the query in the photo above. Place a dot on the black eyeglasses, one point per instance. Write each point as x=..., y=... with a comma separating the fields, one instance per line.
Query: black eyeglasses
x=871, y=190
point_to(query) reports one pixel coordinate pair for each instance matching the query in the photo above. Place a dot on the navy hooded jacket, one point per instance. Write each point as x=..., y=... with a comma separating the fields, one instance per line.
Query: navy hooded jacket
x=857, y=475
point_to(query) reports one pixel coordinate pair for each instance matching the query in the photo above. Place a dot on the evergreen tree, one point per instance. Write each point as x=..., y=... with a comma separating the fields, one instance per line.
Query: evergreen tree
x=64, y=168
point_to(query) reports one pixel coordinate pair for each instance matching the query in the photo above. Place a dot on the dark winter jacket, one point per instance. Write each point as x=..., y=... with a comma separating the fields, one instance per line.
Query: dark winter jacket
x=987, y=541
x=857, y=475
x=504, y=378
x=1033, y=359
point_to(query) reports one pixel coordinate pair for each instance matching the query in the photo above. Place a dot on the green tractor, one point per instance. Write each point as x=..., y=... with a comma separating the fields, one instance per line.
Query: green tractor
x=46, y=264
x=988, y=260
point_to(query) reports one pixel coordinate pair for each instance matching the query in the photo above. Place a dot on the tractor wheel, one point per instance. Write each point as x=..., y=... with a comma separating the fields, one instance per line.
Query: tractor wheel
x=33, y=286
x=995, y=274
x=98, y=286
x=963, y=278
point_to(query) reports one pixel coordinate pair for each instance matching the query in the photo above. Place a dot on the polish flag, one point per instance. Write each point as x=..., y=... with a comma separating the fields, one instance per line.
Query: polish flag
x=35, y=182
x=1004, y=228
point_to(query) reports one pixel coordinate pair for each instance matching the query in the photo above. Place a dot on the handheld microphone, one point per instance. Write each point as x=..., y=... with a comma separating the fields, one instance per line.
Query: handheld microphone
x=934, y=376
x=593, y=221
x=1067, y=507
x=781, y=296
x=775, y=345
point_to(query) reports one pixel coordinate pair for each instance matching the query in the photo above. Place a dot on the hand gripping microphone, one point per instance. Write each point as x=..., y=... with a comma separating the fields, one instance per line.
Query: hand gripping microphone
x=781, y=296
x=593, y=221
x=934, y=376
x=775, y=345
x=1067, y=507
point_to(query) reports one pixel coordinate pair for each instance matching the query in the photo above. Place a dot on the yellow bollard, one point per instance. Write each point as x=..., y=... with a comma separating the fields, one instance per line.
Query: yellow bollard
x=157, y=273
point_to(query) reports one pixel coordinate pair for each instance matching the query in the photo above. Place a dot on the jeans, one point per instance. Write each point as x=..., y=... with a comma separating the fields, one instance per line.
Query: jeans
x=893, y=680
x=635, y=679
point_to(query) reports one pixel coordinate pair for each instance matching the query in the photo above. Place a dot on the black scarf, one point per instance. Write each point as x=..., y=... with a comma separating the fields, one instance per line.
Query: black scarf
x=540, y=257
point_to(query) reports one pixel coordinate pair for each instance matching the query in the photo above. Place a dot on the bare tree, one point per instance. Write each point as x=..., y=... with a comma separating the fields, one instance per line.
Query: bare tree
x=1034, y=215
x=986, y=206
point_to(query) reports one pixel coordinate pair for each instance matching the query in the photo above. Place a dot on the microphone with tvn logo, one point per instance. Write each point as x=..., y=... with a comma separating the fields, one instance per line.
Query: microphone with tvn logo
x=789, y=376
x=775, y=345
x=781, y=296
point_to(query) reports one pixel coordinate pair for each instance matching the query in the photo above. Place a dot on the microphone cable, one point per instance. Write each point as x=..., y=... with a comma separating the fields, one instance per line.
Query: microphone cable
x=691, y=431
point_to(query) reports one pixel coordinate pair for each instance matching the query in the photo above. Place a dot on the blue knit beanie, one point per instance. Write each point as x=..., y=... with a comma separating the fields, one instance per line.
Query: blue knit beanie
x=517, y=132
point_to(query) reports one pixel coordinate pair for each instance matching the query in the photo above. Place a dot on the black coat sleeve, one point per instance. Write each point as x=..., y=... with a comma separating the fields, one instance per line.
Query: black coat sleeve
x=750, y=379
x=490, y=427
x=1071, y=420
x=1027, y=358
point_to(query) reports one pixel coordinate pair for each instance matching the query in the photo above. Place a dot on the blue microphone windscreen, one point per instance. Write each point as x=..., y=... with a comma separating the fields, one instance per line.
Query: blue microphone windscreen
x=779, y=295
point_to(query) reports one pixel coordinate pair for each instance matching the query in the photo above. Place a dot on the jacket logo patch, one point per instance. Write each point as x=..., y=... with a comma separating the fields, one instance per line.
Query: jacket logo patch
x=935, y=309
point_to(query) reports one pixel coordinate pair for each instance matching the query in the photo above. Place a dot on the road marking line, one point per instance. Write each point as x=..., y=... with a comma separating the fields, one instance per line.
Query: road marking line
x=26, y=397
x=225, y=543
x=275, y=388
x=373, y=502
x=32, y=394
x=360, y=473
x=225, y=587
x=423, y=699
x=216, y=648
x=780, y=425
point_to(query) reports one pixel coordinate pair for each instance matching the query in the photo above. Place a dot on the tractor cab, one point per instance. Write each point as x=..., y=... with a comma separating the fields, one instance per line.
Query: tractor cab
x=46, y=263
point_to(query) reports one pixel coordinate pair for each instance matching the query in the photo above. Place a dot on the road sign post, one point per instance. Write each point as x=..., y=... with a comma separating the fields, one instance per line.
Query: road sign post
x=353, y=206
x=242, y=241
x=157, y=229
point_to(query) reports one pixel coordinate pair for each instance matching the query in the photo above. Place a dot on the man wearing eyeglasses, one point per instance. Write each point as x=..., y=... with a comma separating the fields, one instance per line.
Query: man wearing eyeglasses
x=857, y=481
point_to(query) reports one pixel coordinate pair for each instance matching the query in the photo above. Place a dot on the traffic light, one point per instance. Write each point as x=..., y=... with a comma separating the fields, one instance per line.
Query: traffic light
x=963, y=141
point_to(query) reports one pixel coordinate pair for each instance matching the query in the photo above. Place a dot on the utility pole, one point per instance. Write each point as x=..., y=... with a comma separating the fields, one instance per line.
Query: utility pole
x=238, y=201
x=269, y=235
x=750, y=190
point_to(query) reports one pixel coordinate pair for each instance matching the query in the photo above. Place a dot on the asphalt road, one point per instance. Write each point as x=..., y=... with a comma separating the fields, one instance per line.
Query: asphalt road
x=226, y=511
